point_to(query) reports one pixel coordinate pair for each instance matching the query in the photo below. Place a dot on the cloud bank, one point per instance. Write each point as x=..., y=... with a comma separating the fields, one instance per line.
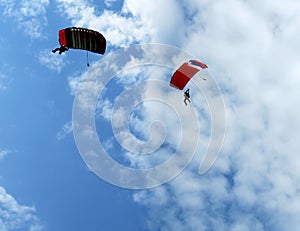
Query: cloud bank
x=252, y=50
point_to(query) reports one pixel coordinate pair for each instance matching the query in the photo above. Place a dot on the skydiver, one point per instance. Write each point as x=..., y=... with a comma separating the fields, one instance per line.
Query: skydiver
x=60, y=49
x=186, y=96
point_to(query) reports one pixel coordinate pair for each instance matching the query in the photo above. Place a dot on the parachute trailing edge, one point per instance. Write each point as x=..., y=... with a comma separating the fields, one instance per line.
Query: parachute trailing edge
x=185, y=72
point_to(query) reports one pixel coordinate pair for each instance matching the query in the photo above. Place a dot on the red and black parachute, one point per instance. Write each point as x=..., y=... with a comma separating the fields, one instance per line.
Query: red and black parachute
x=82, y=38
x=185, y=72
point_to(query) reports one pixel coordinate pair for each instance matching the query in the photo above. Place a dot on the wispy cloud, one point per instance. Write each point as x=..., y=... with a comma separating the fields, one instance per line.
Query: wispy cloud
x=3, y=79
x=5, y=76
x=4, y=152
x=66, y=129
x=14, y=216
x=109, y=3
x=29, y=15
x=52, y=61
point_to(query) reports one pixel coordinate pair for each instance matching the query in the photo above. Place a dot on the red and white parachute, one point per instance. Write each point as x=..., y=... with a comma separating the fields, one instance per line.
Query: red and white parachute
x=185, y=72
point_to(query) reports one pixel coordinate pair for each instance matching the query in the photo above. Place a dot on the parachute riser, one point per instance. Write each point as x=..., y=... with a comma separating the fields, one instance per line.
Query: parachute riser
x=87, y=59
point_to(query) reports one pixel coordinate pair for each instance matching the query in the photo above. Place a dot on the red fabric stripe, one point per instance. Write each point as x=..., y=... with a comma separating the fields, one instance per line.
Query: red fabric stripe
x=182, y=76
x=62, y=38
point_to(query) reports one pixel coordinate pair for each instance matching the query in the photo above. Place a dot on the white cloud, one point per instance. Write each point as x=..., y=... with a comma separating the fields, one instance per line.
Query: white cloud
x=4, y=152
x=3, y=78
x=66, y=130
x=52, y=61
x=14, y=216
x=104, y=109
x=29, y=15
x=109, y=3
x=252, y=50
x=137, y=22
x=119, y=30
x=74, y=82
x=254, y=58
x=155, y=19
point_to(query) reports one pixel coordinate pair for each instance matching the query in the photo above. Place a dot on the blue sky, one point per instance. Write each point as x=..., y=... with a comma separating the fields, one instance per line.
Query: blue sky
x=252, y=50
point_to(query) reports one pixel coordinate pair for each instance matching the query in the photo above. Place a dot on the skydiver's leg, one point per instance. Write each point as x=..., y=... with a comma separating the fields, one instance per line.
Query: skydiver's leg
x=62, y=49
x=56, y=49
x=186, y=99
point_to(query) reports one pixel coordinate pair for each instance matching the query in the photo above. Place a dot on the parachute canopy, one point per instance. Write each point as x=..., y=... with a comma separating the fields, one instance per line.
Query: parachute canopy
x=185, y=72
x=84, y=39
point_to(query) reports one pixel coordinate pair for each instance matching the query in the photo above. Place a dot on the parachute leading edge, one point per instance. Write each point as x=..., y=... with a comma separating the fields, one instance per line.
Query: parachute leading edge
x=185, y=72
